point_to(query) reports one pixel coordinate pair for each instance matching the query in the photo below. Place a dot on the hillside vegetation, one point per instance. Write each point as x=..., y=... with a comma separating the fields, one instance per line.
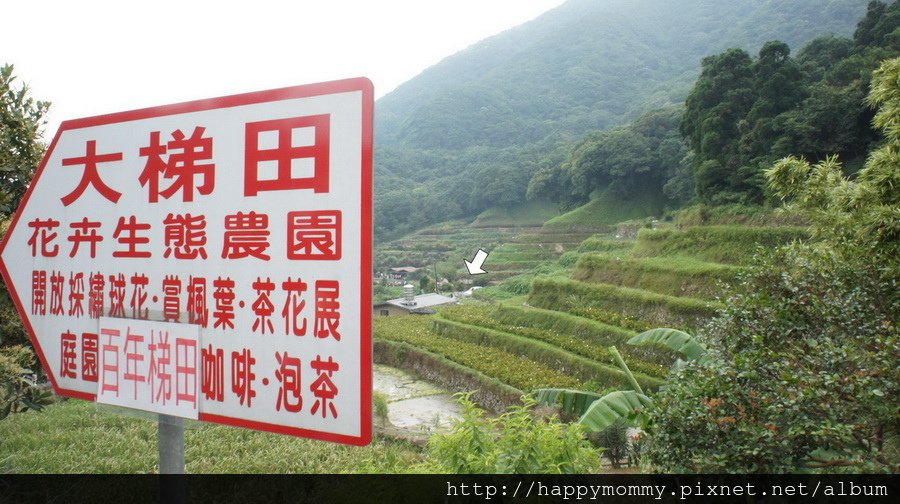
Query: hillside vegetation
x=472, y=131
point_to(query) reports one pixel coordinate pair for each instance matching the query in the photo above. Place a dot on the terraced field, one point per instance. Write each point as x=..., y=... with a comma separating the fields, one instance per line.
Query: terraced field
x=584, y=293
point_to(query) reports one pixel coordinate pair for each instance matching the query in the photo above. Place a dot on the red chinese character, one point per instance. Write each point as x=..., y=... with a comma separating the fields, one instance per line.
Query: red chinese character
x=213, y=374
x=263, y=307
x=95, y=295
x=139, y=284
x=133, y=356
x=57, y=286
x=68, y=358
x=183, y=167
x=327, y=315
x=43, y=229
x=159, y=375
x=76, y=294
x=198, y=313
x=293, y=307
x=155, y=167
x=85, y=231
x=224, y=297
x=323, y=388
x=314, y=235
x=109, y=355
x=186, y=371
x=246, y=235
x=242, y=376
x=127, y=234
x=298, y=144
x=38, y=292
x=185, y=236
x=288, y=376
x=89, y=357
x=91, y=176
x=117, y=295
x=171, y=298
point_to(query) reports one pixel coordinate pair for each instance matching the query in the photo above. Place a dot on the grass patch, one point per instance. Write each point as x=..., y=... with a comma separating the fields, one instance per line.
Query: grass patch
x=659, y=309
x=723, y=244
x=76, y=437
x=608, y=208
x=604, y=244
x=530, y=213
x=673, y=276
x=748, y=215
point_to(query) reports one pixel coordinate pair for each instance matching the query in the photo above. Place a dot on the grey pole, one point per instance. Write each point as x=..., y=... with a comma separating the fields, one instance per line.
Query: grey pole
x=171, y=445
x=173, y=489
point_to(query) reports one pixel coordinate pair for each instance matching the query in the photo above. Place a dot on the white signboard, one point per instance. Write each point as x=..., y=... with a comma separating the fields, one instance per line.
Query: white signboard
x=248, y=217
x=147, y=365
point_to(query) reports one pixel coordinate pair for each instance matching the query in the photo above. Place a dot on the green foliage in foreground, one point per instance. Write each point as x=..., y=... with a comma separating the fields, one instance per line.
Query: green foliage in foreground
x=80, y=437
x=803, y=371
x=17, y=391
x=513, y=443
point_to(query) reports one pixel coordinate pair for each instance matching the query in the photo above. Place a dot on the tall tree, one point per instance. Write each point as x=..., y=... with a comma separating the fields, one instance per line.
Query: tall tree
x=21, y=119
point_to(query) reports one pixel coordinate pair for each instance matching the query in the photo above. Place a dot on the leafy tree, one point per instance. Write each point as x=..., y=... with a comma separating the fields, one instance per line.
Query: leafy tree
x=21, y=119
x=806, y=350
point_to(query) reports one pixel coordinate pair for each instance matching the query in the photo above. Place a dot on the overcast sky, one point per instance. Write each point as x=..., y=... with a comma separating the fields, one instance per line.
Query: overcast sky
x=92, y=57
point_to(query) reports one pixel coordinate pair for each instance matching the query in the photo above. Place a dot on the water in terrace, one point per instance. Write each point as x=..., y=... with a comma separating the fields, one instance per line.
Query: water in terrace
x=414, y=404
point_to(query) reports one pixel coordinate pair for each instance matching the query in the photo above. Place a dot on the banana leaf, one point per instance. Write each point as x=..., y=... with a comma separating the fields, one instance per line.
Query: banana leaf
x=679, y=341
x=604, y=412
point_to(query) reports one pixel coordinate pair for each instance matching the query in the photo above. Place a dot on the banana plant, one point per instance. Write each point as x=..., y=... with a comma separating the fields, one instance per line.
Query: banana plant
x=599, y=412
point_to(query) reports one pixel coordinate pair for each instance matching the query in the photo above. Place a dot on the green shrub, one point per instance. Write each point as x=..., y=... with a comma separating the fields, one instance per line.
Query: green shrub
x=804, y=374
x=513, y=443
x=18, y=393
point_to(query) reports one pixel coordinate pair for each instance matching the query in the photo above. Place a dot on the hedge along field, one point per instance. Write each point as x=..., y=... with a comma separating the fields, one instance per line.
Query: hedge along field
x=664, y=311
x=510, y=369
x=604, y=244
x=75, y=436
x=580, y=336
x=724, y=244
x=583, y=368
x=672, y=276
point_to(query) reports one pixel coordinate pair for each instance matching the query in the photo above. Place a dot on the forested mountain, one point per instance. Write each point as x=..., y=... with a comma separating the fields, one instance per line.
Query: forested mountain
x=471, y=131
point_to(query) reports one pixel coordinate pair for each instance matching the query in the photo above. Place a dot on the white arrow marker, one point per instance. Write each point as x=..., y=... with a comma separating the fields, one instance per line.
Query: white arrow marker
x=474, y=267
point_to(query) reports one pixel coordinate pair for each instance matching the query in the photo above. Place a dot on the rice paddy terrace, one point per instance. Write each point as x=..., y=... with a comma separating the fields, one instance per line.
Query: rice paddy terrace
x=563, y=298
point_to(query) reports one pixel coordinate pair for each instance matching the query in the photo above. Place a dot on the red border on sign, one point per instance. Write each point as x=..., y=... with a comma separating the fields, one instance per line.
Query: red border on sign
x=360, y=84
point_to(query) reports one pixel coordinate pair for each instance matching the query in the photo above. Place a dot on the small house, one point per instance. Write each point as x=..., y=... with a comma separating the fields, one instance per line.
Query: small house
x=410, y=304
